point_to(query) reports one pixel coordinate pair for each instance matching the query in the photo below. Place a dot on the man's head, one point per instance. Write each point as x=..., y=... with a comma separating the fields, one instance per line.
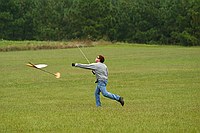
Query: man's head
x=99, y=58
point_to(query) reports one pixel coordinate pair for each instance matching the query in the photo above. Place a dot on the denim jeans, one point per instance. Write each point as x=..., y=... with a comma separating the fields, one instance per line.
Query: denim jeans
x=101, y=87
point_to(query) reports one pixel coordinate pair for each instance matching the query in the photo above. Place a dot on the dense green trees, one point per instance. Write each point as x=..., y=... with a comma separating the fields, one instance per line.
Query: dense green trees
x=141, y=21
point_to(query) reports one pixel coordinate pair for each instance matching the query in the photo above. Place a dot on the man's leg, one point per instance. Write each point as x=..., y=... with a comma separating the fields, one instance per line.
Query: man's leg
x=107, y=94
x=112, y=96
x=97, y=97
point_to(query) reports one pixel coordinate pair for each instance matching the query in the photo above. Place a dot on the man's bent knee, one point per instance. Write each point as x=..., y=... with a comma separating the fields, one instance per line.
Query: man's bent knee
x=105, y=94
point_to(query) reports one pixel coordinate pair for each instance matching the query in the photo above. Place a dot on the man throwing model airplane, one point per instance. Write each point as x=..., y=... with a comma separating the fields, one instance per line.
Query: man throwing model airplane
x=101, y=72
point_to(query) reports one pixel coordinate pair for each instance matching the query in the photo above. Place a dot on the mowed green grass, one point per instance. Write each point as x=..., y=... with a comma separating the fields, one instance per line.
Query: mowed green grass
x=160, y=85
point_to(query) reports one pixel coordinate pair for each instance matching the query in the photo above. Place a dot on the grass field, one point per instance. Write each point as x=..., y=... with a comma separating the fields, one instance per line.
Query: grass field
x=160, y=85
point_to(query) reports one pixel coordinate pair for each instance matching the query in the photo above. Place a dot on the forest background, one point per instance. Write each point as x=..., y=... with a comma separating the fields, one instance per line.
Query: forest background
x=136, y=21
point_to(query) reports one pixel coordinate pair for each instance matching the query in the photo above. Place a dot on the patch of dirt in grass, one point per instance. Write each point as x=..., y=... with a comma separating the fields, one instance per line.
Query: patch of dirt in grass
x=52, y=45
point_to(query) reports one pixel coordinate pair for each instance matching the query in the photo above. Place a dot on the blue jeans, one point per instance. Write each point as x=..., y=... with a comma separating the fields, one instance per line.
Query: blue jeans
x=101, y=87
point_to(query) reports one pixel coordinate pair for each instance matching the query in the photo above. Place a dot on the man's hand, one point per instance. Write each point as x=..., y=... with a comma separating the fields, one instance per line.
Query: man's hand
x=73, y=64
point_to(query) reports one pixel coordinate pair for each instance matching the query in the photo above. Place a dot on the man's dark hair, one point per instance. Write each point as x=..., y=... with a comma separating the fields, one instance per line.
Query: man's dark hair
x=101, y=58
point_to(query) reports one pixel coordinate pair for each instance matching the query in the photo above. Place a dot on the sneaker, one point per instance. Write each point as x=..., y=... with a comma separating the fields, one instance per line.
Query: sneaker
x=121, y=100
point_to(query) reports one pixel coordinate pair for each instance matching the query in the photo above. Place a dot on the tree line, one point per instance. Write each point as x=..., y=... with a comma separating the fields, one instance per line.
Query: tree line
x=138, y=21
